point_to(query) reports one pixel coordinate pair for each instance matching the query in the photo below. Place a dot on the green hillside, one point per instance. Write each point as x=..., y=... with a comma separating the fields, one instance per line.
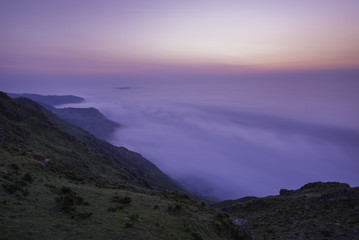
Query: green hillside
x=59, y=182
x=131, y=160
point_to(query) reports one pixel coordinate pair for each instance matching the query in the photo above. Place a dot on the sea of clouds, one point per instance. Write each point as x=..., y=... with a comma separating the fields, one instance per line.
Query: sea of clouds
x=237, y=136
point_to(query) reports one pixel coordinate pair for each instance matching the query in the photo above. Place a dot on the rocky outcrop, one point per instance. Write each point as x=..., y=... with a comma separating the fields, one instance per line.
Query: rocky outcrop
x=2, y=138
x=315, y=211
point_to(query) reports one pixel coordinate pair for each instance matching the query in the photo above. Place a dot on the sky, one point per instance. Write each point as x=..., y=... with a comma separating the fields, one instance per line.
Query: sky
x=165, y=35
x=230, y=98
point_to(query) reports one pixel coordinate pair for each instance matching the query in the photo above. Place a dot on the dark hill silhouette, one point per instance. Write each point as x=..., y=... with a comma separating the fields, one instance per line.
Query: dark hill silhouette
x=52, y=100
x=90, y=119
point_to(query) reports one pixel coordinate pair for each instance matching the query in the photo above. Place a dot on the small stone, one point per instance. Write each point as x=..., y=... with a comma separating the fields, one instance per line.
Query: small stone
x=241, y=222
x=46, y=160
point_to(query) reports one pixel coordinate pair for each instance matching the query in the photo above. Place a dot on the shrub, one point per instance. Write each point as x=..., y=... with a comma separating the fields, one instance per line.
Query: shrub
x=111, y=209
x=68, y=200
x=325, y=232
x=66, y=203
x=65, y=190
x=128, y=225
x=14, y=166
x=175, y=208
x=83, y=215
x=114, y=209
x=196, y=236
x=222, y=215
x=25, y=192
x=11, y=187
x=134, y=216
x=28, y=178
x=123, y=200
x=50, y=186
x=285, y=192
x=184, y=196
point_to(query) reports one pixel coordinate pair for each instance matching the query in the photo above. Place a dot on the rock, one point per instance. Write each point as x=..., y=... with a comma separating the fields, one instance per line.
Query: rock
x=335, y=196
x=284, y=192
x=317, y=186
x=1, y=135
x=46, y=160
x=85, y=166
x=241, y=222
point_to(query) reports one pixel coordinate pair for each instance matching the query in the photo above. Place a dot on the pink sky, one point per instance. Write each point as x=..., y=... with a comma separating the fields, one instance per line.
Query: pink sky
x=153, y=36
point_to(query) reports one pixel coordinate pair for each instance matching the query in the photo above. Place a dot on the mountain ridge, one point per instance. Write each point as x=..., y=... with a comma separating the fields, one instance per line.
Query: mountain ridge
x=52, y=100
x=90, y=119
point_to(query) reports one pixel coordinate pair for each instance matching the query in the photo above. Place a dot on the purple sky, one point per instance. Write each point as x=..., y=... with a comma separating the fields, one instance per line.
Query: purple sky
x=153, y=36
x=231, y=98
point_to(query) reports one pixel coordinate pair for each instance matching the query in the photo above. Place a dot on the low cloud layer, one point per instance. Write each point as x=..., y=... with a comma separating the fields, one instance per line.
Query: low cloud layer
x=237, y=137
x=226, y=149
x=228, y=153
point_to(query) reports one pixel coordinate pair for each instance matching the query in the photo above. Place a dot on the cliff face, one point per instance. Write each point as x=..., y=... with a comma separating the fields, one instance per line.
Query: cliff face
x=315, y=211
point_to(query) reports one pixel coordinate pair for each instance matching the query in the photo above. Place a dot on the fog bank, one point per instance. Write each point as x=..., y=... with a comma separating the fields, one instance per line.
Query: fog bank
x=235, y=136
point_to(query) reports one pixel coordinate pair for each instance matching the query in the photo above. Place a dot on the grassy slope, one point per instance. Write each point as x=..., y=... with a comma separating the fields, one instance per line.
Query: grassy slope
x=316, y=211
x=80, y=194
x=131, y=160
